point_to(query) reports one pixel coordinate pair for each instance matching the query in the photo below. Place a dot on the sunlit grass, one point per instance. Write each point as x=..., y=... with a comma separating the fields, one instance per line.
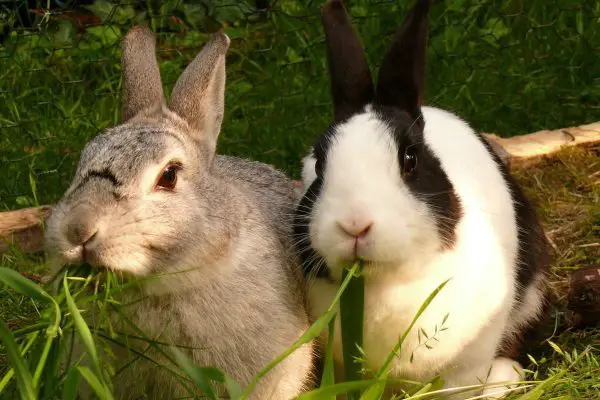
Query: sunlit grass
x=44, y=364
x=507, y=66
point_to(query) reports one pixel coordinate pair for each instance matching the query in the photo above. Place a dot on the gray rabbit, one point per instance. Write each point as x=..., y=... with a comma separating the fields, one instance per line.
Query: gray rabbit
x=150, y=197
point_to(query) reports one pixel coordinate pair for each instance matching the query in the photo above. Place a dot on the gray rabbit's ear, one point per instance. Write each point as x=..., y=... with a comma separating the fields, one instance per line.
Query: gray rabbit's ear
x=142, y=86
x=199, y=93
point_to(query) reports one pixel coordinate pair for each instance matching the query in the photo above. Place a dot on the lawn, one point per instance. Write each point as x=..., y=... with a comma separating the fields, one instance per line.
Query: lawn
x=507, y=66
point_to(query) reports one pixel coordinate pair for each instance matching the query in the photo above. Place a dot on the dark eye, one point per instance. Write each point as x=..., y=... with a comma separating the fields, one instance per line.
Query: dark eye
x=410, y=160
x=168, y=177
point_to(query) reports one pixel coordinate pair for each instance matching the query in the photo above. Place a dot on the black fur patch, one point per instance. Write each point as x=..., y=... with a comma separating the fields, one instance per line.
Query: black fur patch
x=533, y=255
x=313, y=264
x=533, y=261
x=428, y=182
x=516, y=345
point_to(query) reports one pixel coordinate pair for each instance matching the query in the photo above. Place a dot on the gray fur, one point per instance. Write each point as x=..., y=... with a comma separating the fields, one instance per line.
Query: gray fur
x=142, y=88
x=205, y=75
x=222, y=237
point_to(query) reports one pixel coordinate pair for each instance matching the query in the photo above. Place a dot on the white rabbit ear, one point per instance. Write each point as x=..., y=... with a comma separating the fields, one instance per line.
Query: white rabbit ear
x=351, y=82
x=401, y=76
x=199, y=93
x=142, y=86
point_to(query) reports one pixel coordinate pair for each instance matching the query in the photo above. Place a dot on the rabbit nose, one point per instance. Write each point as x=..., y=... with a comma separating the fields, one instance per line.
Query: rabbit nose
x=356, y=228
x=80, y=233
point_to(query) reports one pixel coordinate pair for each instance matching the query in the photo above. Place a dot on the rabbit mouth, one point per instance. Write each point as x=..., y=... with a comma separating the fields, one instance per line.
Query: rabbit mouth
x=81, y=254
x=128, y=261
x=353, y=249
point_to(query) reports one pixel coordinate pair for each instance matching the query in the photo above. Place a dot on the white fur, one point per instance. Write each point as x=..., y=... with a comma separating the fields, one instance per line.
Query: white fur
x=308, y=170
x=531, y=305
x=503, y=370
x=406, y=259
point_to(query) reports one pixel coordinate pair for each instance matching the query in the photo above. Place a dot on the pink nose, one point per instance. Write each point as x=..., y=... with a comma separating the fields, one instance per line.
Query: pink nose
x=356, y=228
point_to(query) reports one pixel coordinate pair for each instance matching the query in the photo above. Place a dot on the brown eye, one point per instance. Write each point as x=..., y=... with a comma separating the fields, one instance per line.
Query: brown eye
x=168, y=177
x=410, y=160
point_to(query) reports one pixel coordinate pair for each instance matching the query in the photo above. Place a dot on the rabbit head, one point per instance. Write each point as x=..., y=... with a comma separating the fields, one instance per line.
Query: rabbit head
x=143, y=198
x=374, y=190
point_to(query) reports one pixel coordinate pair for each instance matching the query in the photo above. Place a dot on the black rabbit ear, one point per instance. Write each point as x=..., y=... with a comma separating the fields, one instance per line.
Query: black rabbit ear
x=401, y=76
x=351, y=82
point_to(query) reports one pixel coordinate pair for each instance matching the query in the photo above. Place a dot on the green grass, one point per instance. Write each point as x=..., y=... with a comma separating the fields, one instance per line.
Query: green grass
x=507, y=66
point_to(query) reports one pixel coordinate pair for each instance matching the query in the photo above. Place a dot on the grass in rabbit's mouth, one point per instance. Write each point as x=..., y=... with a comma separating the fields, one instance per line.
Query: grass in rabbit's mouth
x=564, y=189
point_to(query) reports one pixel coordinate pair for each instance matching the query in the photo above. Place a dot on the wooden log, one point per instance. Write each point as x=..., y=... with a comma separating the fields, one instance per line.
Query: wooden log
x=22, y=228
x=525, y=150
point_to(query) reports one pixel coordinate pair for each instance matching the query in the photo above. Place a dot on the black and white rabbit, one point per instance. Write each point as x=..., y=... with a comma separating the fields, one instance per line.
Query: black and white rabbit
x=420, y=197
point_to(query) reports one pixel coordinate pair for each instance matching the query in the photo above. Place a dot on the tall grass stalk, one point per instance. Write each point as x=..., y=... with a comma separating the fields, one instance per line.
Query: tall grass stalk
x=311, y=333
x=375, y=392
x=351, y=321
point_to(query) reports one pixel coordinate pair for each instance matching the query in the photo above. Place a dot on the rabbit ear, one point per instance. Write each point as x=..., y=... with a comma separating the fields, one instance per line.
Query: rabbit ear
x=401, y=75
x=199, y=93
x=142, y=86
x=351, y=82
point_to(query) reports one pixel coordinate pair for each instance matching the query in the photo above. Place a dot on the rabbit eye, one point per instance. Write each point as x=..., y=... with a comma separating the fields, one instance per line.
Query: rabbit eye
x=168, y=177
x=410, y=160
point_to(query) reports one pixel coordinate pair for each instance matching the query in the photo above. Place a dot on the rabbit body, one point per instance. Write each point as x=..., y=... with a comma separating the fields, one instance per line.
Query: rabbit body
x=209, y=235
x=224, y=314
x=478, y=308
x=422, y=199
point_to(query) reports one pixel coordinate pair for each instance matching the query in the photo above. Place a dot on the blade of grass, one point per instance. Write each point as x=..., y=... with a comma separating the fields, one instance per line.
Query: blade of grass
x=339, y=388
x=351, y=321
x=51, y=370
x=29, y=329
x=6, y=379
x=31, y=340
x=98, y=387
x=71, y=384
x=25, y=286
x=42, y=361
x=312, y=332
x=328, y=377
x=179, y=375
x=81, y=326
x=386, y=366
x=435, y=383
x=537, y=392
x=233, y=388
x=375, y=391
x=141, y=336
x=26, y=387
x=195, y=373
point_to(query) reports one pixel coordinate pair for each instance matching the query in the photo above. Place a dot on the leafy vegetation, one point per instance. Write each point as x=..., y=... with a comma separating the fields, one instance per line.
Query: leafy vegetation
x=507, y=66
